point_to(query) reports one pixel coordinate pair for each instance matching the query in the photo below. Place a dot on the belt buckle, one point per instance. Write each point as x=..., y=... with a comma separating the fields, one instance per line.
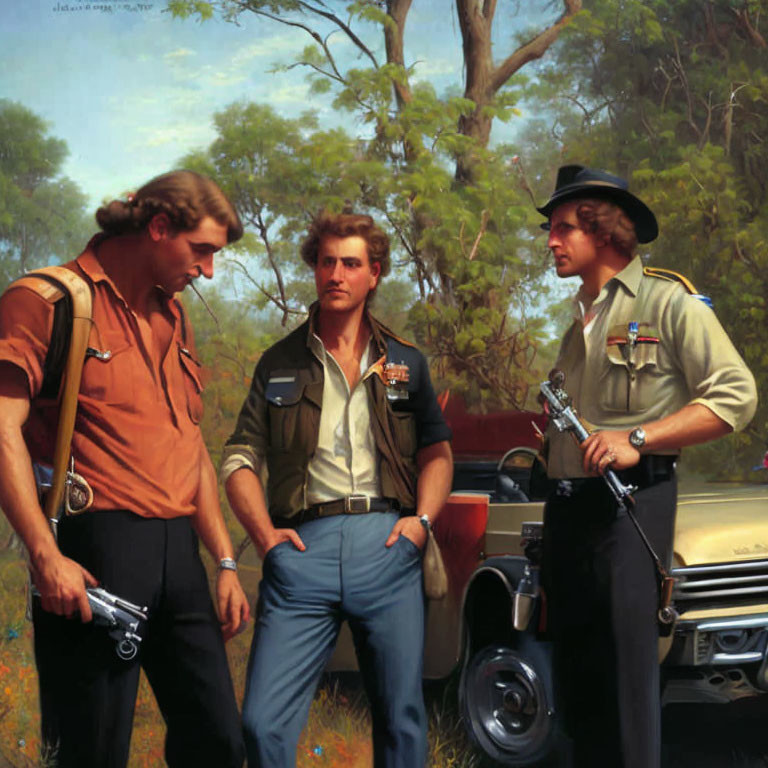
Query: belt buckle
x=357, y=504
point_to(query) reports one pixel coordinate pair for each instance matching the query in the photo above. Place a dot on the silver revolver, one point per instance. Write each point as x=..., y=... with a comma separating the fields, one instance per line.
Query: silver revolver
x=566, y=419
x=119, y=616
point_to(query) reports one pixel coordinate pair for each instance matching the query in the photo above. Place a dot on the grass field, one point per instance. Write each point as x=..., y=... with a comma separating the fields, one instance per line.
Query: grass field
x=337, y=734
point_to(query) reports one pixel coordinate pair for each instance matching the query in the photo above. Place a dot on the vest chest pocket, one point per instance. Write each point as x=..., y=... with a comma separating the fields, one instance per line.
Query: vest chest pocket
x=404, y=429
x=193, y=385
x=628, y=380
x=292, y=414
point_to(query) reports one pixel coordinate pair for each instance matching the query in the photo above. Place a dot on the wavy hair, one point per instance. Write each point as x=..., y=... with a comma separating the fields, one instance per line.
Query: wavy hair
x=347, y=225
x=602, y=217
x=185, y=197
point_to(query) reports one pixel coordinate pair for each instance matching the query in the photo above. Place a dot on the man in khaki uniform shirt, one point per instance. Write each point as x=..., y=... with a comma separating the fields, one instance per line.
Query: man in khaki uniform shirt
x=650, y=367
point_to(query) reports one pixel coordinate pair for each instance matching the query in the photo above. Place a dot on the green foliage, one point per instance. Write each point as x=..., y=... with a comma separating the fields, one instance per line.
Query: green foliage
x=42, y=214
x=184, y=8
x=461, y=242
x=675, y=95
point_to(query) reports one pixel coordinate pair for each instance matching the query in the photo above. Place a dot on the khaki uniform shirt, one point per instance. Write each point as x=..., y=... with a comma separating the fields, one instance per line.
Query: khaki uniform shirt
x=682, y=356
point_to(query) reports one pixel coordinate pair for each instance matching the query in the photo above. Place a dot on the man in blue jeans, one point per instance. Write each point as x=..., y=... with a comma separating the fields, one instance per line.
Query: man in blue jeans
x=342, y=415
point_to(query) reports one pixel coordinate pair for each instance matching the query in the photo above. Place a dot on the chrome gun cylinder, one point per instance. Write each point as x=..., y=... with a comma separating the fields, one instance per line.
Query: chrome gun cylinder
x=566, y=419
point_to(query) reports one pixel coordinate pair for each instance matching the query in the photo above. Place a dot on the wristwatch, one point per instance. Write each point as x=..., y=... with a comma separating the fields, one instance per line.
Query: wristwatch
x=426, y=522
x=637, y=438
x=227, y=564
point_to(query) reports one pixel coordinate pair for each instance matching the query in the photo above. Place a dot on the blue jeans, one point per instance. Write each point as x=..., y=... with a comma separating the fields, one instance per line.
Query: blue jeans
x=346, y=573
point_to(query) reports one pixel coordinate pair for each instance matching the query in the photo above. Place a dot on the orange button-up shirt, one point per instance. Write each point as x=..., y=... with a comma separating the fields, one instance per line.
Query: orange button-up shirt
x=136, y=440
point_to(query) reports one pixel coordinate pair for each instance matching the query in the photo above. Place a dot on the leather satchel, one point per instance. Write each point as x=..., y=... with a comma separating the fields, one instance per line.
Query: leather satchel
x=435, y=575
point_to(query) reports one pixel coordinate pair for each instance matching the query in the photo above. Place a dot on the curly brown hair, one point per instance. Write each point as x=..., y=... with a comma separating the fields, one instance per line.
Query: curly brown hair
x=347, y=225
x=602, y=217
x=185, y=197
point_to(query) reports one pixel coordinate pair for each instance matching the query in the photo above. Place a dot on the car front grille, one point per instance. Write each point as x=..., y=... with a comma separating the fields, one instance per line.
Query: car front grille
x=717, y=586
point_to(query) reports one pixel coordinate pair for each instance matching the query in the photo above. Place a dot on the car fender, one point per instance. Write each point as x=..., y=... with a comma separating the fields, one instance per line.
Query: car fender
x=487, y=605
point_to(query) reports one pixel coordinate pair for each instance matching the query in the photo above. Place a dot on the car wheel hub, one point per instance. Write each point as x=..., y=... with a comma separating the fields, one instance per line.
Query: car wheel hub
x=508, y=702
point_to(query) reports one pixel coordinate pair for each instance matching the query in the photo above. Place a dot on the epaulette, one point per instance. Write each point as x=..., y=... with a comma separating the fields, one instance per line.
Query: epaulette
x=676, y=277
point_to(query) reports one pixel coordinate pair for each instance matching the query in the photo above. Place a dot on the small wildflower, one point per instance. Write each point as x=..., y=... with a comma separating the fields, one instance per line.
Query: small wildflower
x=7, y=690
x=318, y=750
x=22, y=743
x=13, y=633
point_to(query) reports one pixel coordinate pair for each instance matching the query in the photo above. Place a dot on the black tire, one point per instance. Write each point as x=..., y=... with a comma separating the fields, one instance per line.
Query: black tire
x=506, y=701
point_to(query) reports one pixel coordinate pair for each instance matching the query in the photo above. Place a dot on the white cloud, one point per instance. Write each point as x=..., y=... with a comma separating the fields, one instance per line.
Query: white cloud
x=290, y=94
x=179, y=53
x=180, y=135
x=435, y=67
x=271, y=46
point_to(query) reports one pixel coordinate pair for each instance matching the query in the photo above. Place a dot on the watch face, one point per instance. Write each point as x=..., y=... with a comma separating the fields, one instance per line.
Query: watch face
x=637, y=437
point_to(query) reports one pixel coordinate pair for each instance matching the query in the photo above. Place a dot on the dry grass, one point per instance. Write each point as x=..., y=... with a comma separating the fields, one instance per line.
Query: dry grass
x=337, y=734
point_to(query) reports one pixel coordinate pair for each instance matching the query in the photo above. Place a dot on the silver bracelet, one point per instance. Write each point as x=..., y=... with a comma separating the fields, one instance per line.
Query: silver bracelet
x=227, y=564
x=426, y=522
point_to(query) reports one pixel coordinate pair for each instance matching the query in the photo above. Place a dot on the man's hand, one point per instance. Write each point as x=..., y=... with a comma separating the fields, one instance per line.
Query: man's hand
x=411, y=528
x=278, y=536
x=61, y=583
x=231, y=603
x=608, y=449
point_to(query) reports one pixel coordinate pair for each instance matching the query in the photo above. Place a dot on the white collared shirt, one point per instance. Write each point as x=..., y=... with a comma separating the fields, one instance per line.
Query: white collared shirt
x=345, y=461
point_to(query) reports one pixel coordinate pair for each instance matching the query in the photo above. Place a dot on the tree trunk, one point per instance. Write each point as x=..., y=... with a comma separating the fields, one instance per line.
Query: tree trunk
x=483, y=79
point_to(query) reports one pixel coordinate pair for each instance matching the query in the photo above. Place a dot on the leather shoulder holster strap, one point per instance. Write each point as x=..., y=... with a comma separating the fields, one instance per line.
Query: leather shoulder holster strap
x=51, y=283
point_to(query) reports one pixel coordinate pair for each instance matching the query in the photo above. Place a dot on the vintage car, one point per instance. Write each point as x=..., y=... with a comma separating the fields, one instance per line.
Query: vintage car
x=488, y=628
x=716, y=651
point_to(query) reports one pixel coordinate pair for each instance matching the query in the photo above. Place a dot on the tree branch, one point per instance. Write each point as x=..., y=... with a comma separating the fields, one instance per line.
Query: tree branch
x=284, y=308
x=533, y=49
x=344, y=27
x=393, y=43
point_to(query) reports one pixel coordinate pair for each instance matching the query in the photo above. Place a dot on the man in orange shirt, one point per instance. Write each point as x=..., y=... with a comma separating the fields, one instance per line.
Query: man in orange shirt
x=137, y=443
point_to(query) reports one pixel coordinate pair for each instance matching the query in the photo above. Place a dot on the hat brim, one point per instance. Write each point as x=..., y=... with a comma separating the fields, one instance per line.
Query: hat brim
x=646, y=226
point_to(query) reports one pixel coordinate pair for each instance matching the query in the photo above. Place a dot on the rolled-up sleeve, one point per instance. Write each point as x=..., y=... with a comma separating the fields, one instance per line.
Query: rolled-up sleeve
x=715, y=372
x=247, y=447
x=26, y=320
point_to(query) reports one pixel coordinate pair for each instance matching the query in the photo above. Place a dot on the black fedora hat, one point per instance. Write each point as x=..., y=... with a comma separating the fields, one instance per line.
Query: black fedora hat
x=574, y=181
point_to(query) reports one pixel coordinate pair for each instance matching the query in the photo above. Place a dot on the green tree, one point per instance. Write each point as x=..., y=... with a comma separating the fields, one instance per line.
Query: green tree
x=675, y=95
x=42, y=217
x=459, y=225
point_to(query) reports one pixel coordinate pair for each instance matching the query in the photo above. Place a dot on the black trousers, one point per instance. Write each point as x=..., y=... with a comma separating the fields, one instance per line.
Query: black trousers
x=88, y=694
x=602, y=601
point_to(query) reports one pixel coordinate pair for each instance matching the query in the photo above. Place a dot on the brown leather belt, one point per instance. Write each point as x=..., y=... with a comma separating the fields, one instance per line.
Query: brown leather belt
x=348, y=505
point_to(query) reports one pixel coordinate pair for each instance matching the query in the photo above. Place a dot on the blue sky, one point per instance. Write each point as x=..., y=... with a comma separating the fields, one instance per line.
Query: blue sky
x=131, y=90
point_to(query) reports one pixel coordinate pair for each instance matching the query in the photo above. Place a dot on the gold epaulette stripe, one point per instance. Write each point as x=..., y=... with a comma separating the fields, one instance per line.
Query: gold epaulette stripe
x=671, y=275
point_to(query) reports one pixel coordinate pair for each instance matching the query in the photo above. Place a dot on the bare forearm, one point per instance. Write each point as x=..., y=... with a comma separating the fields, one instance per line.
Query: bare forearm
x=691, y=425
x=435, y=464
x=60, y=581
x=208, y=520
x=18, y=496
x=246, y=497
